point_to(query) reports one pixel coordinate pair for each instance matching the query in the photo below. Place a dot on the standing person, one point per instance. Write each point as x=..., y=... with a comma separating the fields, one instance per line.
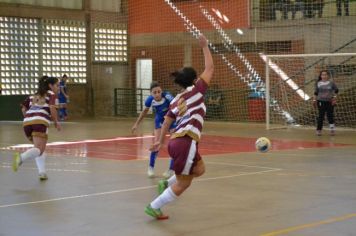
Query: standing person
x=159, y=101
x=63, y=98
x=325, y=100
x=38, y=110
x=188, y=110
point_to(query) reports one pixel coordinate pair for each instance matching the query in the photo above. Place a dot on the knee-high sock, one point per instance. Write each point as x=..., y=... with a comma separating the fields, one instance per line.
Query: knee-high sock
x=41, y=163
x=153, y=157
x=31, y=153
x=166, y=197
x=172, y=180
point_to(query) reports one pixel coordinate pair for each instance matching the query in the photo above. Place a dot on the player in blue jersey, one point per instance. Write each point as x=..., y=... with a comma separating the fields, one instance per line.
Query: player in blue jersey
x=63, y=98
x=159, y=101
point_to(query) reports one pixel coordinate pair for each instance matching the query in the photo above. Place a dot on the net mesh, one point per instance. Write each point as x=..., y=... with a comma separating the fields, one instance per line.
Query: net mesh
x=292, y=84
x=239, y=34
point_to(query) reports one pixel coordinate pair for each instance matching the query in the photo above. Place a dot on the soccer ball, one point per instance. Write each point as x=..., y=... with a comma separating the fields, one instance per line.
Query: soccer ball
x=263, y=144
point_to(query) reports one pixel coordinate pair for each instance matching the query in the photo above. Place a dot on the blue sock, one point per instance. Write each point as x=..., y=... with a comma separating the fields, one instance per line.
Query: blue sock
x=64, y=112
x=60, y=113
x=153, y=157
x=171, y=162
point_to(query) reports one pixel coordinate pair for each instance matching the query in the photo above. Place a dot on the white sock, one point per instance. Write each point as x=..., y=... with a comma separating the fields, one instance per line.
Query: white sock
x=166, y=197
x=172, y=180
x=30, y=154
x=41, y=163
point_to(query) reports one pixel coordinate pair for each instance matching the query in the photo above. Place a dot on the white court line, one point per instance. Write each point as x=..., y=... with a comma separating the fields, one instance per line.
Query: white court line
x=231, y=164
x=58, y=170
x=131, y=189
x=81, y=142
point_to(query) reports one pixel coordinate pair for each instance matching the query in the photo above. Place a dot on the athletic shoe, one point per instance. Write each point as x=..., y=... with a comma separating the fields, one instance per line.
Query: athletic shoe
x=155, y=213
x=168, y=174
x=16, y=161
x=162, y=185
x=150, y=172
x=318, y=132
x=43, y=176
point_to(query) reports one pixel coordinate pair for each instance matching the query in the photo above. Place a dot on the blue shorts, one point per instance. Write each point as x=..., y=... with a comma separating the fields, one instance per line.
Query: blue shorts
x=62, y=99
x=159, y=123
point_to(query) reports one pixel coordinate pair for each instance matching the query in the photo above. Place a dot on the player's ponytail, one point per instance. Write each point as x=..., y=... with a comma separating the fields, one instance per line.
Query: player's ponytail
x=43, y=84
x=185, y=77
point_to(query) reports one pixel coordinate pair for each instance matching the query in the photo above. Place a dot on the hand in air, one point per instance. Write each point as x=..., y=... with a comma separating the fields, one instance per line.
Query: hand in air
x=203, y=42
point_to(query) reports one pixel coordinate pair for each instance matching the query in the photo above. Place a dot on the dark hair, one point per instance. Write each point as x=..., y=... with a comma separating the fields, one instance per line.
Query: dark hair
x=64, y=76
x=43, y=84
x=184, y=77
x=319, y=78
x=154, y=84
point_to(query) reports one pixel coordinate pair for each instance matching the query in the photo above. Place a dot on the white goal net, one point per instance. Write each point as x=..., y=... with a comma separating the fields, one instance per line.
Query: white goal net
x=290, y=84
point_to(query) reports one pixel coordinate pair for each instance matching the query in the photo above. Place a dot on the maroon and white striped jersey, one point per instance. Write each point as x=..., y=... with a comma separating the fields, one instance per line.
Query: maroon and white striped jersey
x=188, y=109
x=38, y=108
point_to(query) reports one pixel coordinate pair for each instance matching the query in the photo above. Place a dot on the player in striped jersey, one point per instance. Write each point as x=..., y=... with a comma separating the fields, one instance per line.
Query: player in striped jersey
x=159, y=101
x=188, y=110
x=38, y=110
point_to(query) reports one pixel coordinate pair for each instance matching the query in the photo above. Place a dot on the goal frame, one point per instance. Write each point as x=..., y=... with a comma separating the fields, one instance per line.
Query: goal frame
x=268, y=61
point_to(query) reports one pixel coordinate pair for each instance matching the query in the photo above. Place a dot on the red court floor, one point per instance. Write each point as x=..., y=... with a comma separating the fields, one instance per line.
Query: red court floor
x=130, y=148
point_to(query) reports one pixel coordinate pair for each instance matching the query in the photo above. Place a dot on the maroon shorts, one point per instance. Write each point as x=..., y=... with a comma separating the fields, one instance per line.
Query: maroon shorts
x=184, y=151
x=35, y=130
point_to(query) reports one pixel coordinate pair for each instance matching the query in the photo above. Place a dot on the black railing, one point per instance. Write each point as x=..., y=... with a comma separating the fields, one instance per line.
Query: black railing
x=128, y=101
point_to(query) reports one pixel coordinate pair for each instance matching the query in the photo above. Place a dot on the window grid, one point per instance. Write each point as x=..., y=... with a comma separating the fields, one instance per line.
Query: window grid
x=109, y=42
x=64, y=49
x=19, y=55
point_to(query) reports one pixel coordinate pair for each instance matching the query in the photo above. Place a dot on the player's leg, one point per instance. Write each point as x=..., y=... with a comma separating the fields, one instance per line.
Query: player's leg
x=153, y=155
x=170, y=172
x=185, y=155
x=321, y=108
x=41, y=142
x=30, y=153
x=330, y=116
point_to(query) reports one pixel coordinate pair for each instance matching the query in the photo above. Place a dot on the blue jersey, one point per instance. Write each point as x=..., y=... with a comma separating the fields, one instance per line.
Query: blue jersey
x=159, y=108
x=61, y=97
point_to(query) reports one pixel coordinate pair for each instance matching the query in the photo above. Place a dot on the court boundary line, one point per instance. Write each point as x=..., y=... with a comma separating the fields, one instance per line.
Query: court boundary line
x=131, y=189
x=310, y=225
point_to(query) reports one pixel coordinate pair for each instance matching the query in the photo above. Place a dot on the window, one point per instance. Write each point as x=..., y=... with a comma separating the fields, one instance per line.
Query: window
x=110, y=42
x=64, y=49
x=19, y=55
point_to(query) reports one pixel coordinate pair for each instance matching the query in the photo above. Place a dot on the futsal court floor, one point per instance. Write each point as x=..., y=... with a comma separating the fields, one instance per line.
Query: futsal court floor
x=98, y=183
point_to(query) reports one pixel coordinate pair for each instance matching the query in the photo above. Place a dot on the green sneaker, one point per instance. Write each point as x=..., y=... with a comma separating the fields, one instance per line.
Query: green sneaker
x=155, y=213
x=16, y=161
x=162, y=185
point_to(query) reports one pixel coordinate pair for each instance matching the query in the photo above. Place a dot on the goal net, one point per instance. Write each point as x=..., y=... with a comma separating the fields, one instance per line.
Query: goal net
x=290, y=83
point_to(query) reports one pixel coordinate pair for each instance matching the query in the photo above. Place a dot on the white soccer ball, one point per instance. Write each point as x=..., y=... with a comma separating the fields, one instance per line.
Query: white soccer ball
x=263, y=144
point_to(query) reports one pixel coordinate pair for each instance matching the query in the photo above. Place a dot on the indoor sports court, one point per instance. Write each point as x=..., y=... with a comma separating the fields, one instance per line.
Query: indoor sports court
x=267, y=58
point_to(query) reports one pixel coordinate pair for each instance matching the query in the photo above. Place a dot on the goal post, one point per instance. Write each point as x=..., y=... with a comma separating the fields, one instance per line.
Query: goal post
x=290, y=83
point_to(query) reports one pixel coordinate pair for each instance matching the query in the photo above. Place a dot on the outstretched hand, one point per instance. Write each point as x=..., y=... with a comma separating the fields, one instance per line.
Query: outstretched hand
x=203, y=42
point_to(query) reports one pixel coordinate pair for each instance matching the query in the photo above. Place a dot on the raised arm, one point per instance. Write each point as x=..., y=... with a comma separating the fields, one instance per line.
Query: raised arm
x=209, y=64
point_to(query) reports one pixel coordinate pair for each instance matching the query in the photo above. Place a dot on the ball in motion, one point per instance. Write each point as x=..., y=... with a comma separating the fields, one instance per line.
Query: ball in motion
x=263, y=144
